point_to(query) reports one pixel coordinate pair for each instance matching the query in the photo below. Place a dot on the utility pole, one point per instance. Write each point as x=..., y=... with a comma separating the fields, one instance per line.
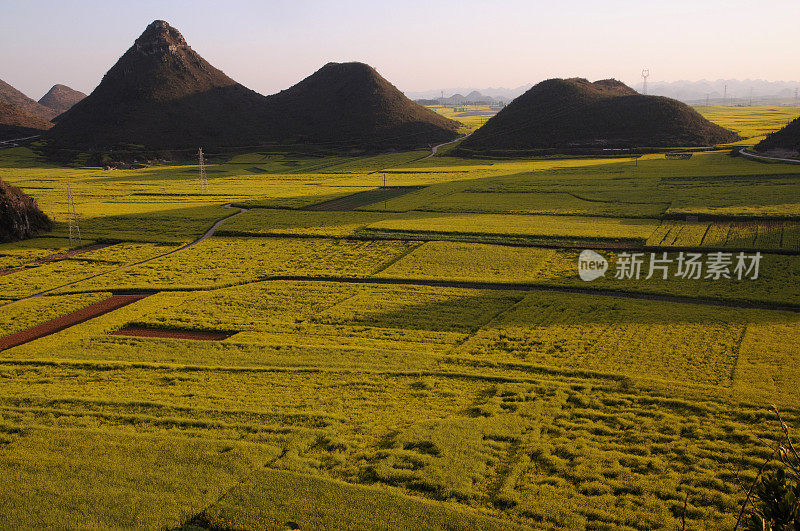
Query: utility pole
x=72, y=219
x=645, y=75
x=203, y=180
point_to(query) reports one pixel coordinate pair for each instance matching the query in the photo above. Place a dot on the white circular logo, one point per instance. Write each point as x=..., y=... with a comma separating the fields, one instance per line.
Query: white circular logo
x=591, y=265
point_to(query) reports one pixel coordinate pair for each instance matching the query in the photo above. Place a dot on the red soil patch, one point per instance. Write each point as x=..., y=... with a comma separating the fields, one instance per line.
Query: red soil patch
x=200, y=335
x=60, y=323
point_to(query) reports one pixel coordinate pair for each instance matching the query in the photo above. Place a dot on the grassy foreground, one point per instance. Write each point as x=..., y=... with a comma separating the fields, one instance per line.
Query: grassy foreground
x=431, y=361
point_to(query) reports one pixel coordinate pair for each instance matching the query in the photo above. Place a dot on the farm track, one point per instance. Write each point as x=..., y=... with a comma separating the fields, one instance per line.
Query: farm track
x=435, y=149
x=360, y=199
x=753, y=156
x=210, y=232
x=66, y=321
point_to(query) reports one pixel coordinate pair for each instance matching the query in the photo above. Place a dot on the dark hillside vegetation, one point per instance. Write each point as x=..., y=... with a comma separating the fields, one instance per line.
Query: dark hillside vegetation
x=20, y=217
x=575, y=114
x=785, y=142
x=162, y=95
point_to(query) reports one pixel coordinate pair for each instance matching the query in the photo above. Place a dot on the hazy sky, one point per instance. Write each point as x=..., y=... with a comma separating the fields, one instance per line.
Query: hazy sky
x=417, y=45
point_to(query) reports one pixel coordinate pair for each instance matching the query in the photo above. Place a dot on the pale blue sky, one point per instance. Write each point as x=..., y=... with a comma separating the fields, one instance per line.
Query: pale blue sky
x=417, y=45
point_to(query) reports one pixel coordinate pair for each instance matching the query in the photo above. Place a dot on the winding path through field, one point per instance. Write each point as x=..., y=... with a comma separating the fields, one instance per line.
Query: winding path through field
x=435, y=148
x=753, y=156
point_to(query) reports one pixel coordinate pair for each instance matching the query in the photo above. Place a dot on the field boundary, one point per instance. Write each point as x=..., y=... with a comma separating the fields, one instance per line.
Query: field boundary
x=135, y=330
x=660, y=297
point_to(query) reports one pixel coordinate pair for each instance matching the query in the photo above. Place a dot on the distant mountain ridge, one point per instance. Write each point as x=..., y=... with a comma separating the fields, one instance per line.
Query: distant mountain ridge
x=12, y=96
x=767, y=92
x=739, y=91
x=15, y=122
x=499, y=94
x=61, y=98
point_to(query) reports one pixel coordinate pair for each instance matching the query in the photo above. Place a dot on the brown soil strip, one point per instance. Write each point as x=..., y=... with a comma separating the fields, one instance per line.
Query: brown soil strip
x=360, y=199
x=73, y=252
x=53, y=258
x=200, y=335
x=60, y=323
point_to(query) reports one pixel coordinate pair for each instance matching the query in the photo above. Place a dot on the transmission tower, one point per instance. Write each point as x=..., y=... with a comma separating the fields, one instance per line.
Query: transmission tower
x=795, y=95
x=202, y=179
x=725, y=96
x=645, y=75
x=707, y=95
x=72, y=219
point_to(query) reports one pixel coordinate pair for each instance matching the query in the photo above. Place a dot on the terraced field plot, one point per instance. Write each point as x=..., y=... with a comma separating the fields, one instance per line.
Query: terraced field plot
x=432, y=362
x=753, y=123
x=777, y=235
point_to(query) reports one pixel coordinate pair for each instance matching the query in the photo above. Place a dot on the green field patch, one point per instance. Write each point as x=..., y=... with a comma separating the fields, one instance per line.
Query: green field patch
x=224, y=261
x=308, y=502
x=557, y=203
x=258, y=222
x=539, y=226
